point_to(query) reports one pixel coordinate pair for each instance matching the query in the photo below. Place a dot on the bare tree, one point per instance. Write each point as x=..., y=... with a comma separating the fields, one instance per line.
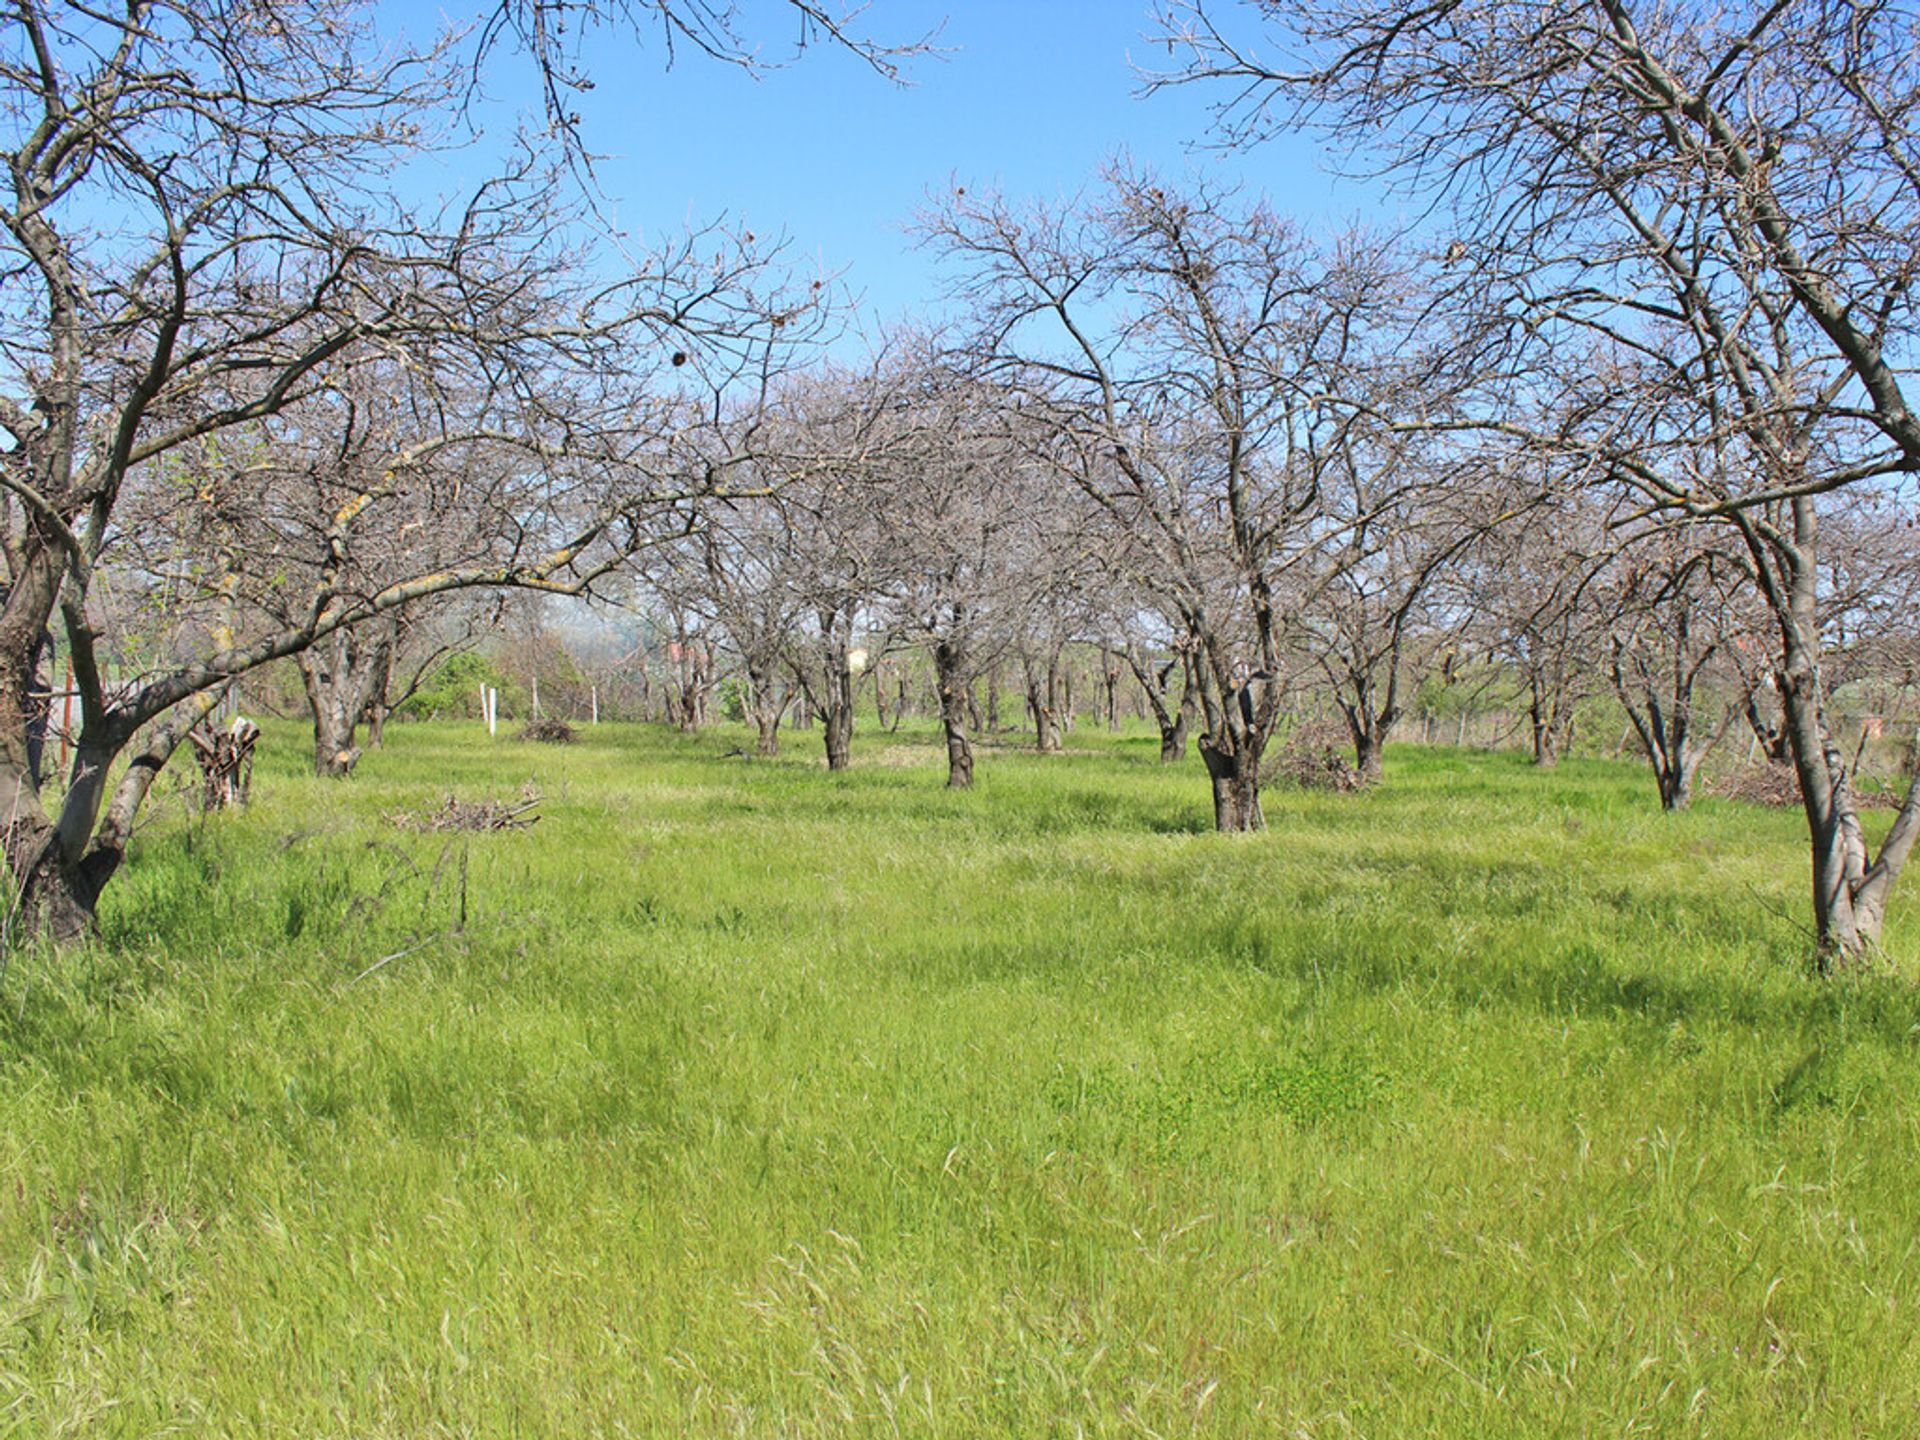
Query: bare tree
x=1529, y=589
x=1188, y=352
x=1675, y=615
x=198, y=236
x=959, y=508
x=1400, y=507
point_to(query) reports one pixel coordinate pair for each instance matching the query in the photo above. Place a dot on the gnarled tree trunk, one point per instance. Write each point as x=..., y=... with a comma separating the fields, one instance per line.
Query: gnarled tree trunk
x=950, y=674
x=340, y=674
x=1235, y=774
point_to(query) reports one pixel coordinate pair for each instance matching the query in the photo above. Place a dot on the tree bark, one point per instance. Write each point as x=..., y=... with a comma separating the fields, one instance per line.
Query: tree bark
x=836, y=715
x=949, y=666
x=340, y=674
x=1369, y=752
x=1236, y=788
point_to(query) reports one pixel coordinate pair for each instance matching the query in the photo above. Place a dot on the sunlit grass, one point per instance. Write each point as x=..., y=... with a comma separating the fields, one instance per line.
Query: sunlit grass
x=756, y=1100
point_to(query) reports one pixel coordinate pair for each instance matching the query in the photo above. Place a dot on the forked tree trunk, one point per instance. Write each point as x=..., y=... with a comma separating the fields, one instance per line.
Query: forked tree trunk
x=60, y=866
x=768, y=705
x=1546, y=754
x=1236, y=788
x=1173, y=737
x=1551, y=716
x=1041, y=688
x=1369, y=753
x=1367, y=726
x=340, y=674
x=1175, y=721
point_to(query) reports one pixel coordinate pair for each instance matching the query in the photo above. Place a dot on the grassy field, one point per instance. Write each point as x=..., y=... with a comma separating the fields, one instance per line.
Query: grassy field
x=756, y=1101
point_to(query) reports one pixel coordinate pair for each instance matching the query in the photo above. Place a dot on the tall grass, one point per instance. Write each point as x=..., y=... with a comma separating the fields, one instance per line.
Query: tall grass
x=753, y=1100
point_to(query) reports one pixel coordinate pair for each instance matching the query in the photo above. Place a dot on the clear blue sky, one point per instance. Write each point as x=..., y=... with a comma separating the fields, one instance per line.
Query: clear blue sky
x=1030, y=95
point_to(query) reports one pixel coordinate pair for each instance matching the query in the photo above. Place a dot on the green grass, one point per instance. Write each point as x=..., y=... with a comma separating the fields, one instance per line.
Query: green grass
x=757, y=1101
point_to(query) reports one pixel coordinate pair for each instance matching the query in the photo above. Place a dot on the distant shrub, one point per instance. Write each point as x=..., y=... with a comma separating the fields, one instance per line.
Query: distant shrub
x=452, y=691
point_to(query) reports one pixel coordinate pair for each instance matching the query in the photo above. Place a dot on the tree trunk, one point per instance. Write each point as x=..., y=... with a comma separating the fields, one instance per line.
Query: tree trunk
x=1173, y=737
x=767, y=742
x=377, y=698
x=1676, y=781
x=836, y=714
x=334, y=753
x=1236, y=789
x=1369, y=751
x=1040, y=696
x=768, y=705
x=1544, y=711
x=1850, y=890
x=949, y=667
x=1368, y=729
x=61, y=902
x=340, y=675
x=1174, y=721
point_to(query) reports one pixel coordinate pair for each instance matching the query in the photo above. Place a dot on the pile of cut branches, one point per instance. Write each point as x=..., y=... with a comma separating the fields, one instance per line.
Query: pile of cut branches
x=549, y=732
x=1314, y=758
x=455, y=814
x=1774, y=783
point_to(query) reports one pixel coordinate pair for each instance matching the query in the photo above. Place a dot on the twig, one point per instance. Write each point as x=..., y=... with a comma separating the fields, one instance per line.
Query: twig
x=387, y=960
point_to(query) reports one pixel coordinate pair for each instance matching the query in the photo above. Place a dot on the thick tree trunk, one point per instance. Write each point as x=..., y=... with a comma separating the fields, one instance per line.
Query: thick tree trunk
x=959, y=757
x=1369, y=753
x=1368, y=729
x=60, y=866
x=1236, y=788
x=334, y=753
x=340, y=675
x=838, y=729
x=1545, y=753
x=61, y=902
